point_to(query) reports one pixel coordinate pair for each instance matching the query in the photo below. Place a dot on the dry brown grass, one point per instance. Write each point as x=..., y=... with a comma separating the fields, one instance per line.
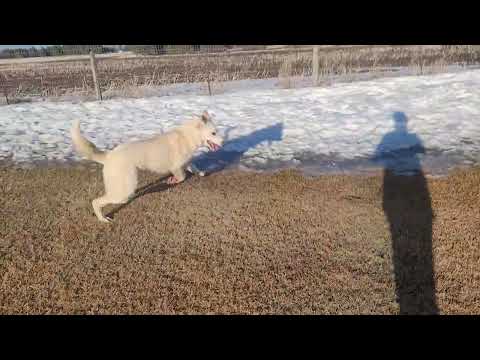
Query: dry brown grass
x=285, y=73
x=227, y=243
x=53, y=79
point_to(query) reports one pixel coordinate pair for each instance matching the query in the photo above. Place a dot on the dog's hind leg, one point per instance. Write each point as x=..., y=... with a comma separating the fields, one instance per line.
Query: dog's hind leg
x=120, y=183
x=97, y=205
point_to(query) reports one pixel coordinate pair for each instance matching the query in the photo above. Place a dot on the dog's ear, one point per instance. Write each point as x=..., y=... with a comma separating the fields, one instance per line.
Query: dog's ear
x=205, y=117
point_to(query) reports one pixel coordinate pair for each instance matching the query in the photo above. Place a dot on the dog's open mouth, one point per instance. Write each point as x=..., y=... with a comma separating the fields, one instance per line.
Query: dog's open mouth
x=212, y=146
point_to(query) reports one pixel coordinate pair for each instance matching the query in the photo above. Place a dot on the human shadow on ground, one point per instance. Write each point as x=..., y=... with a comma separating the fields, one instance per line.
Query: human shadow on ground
x=407, y=206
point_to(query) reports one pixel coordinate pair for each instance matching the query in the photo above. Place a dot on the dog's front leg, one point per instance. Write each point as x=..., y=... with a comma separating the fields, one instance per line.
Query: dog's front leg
x=177, y=177
x=194, y=170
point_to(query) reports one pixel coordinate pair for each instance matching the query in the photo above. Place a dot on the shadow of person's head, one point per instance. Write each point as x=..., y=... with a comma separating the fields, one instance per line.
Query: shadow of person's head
x=401, y=121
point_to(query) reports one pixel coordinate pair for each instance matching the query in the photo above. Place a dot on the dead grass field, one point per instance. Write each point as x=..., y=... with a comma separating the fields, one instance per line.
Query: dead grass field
x=72, y=75
x=228, y=243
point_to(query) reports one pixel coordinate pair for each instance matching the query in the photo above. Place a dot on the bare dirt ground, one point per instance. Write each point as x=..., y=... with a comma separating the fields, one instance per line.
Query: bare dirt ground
x=232, y=242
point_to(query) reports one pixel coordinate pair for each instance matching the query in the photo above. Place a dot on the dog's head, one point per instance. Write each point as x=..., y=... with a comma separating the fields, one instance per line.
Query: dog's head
x=208, y=132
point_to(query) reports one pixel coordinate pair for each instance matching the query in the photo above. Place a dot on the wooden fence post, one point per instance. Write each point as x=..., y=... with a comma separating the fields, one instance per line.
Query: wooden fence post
x=315, y=64
x=3, y=83
x=209, y=88
x=93, y=64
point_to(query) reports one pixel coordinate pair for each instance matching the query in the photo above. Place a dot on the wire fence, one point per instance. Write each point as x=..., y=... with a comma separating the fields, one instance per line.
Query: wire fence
x=62, y=50
x=129, y=70
x=138, y=66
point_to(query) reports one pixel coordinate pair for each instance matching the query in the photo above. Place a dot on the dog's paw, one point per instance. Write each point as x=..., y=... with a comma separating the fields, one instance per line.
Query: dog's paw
x=201, y=173
x=106, y=220
x=172, y=180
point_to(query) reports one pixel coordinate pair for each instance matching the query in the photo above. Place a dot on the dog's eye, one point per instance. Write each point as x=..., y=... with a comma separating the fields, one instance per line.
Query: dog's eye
x=214, y=133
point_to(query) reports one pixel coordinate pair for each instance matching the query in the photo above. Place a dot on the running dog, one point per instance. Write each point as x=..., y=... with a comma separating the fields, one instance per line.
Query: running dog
x=165, y=154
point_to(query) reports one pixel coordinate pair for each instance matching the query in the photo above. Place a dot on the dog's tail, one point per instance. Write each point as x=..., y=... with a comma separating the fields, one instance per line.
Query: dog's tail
x=85, y=147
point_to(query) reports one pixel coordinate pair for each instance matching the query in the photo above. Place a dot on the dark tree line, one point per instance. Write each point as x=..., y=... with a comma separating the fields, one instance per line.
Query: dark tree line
x=173, y=49
x=54, y=50
x=58, y=50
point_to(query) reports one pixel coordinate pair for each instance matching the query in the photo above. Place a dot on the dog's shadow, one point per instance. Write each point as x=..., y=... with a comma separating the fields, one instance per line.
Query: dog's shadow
x=233, y=150
x=154, y=187
x=231, y=153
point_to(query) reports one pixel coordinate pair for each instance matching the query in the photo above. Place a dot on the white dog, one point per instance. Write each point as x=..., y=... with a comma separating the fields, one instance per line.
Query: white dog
x=165, y=154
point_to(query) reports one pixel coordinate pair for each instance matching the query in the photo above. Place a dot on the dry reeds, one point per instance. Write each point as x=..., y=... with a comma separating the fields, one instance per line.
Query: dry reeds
x=74, y=76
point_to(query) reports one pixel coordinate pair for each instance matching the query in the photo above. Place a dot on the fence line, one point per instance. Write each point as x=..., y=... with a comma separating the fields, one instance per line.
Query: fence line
x=65, y=50
x=65, y=75
x=114, y=74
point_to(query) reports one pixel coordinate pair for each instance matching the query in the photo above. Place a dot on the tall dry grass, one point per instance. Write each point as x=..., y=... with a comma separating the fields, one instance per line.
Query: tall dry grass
x=74, y=76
